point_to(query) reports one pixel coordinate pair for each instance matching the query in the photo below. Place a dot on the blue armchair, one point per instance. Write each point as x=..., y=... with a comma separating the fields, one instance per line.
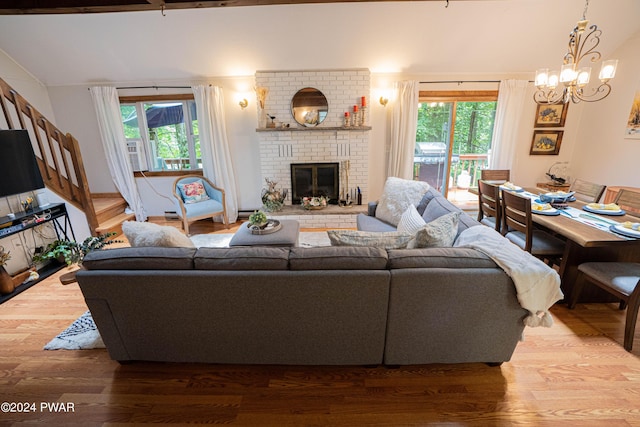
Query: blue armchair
x=196, y=198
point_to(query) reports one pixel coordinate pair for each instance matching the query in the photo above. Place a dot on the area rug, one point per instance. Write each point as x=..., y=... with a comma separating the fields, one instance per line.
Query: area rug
x=307, y=239
x=81, y=335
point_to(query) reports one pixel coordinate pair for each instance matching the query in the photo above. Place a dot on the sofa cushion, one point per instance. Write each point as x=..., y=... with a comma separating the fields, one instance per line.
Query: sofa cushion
x=370, y=223
x=338, y=258
x=145, y=258
x=411, y=221
x=439, y=258
x=385, y=239
x=441, y=232
x=396, y=197
x=242, y=258
x=148, y=234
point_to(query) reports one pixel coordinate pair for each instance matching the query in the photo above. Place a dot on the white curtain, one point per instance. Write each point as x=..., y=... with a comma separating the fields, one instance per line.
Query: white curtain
x=404, y=121
x=107, y=106
x=512, y=95
x=216, y=156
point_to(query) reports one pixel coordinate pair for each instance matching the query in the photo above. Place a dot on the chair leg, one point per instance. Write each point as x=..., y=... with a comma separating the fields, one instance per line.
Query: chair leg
x=185, y=226
x=630, y=323
x=575, y=292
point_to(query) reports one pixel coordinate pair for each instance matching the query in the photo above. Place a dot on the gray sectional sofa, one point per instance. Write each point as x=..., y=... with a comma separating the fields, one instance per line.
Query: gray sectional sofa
x=304, y=306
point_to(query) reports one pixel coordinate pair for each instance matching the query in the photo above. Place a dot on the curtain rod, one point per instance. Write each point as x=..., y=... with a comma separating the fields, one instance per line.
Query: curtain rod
x=155, y=87
x=467, y=81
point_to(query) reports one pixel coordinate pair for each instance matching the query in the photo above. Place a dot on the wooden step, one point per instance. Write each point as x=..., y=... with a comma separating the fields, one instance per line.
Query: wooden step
x=114, y=224
x=108, y=205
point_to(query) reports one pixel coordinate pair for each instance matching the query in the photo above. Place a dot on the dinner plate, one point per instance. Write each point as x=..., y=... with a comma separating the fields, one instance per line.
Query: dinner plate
x=572, y=199
x=515, y=188
x=551, y=212
x=618, y=228
x=603, y=211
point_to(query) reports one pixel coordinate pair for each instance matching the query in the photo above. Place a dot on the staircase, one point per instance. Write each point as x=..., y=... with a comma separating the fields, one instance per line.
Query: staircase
x=61, y=165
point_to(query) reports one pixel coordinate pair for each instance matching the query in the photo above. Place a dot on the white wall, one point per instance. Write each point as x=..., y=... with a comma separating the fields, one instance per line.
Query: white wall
x=602, y=153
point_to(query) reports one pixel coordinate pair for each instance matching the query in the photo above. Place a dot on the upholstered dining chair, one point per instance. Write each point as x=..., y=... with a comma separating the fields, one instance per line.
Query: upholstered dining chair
x=586, y=191
x=621, y=279
x=517, y=226
x=196, y=198
x=489, y=206
x=495, y=174
x=629, y=200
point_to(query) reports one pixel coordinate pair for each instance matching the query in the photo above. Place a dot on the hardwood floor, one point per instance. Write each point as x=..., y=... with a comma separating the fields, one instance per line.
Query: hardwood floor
x=573, y=374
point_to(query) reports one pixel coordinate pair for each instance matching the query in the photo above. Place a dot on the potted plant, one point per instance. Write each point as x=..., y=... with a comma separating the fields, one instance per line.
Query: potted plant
x=258, y=219
x=71, y=252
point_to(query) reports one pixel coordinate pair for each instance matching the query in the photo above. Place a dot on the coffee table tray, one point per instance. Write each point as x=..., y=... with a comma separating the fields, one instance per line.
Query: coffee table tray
x=272, y=226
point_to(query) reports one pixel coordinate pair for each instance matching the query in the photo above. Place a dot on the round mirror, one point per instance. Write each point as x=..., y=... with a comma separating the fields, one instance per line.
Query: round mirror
x=309, y=107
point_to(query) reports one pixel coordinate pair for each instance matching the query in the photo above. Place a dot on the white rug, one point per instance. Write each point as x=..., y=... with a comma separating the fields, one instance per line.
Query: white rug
x=308, y=239
x=81, y=335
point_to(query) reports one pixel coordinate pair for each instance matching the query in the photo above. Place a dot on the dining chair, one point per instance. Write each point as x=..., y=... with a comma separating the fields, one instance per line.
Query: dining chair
x=489, y=206
x=621, y=279
x=586, y=191
x=197, y=198
x=629, y=200
x=517, y=226
x=495, y=174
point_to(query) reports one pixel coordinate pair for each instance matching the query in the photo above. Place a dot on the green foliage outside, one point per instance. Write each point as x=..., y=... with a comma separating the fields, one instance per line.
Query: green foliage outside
x=169, y=141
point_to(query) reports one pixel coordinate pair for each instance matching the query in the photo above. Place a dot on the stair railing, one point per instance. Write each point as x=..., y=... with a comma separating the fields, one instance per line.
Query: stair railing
x=58, y=154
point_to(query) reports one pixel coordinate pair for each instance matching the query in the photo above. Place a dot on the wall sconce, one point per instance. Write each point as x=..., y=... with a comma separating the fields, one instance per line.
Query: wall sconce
x=243, y=103
x=384, y=101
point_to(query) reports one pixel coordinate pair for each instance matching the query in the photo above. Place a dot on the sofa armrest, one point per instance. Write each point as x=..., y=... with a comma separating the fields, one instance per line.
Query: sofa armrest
x=371, y=208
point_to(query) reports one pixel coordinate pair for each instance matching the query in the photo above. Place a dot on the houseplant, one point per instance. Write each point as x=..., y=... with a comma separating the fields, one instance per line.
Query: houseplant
x=6, y=282
x=258, y=218
x=72, y=252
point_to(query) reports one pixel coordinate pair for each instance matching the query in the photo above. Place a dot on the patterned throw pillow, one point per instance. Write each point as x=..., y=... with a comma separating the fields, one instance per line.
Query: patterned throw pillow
x=193, y=192
x=411, y=221
x=384, y=240
x=440, y=233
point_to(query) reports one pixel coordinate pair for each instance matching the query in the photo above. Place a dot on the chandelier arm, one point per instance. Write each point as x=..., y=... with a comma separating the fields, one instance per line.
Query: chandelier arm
x=599, y=93
x=593, y=38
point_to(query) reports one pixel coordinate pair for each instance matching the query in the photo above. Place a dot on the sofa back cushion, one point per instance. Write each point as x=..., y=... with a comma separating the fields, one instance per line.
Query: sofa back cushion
x=338, y=258
x=242, y=258
x=143, y=258
x=439, y=258
x=439, y=206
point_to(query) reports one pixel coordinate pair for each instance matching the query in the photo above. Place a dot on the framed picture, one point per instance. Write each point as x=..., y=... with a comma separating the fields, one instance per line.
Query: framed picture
x=551, y=115
x=633, y=124
x=546, y=142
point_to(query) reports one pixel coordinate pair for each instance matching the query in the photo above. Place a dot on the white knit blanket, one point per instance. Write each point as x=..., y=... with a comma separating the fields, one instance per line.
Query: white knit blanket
x=537, y=284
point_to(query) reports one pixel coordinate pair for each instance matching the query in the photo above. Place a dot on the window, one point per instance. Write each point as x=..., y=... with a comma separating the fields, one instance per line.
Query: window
x=453, y=138
x=162, y=133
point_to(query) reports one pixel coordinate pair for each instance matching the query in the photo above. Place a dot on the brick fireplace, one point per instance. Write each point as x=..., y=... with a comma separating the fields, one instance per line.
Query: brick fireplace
x=329, y=142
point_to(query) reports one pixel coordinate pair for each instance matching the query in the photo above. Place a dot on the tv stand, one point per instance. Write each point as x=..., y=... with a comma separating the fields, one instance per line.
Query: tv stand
x=54, y=213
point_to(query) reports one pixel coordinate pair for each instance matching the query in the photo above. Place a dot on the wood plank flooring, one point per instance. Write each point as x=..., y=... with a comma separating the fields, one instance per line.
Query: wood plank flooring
x=573, y=374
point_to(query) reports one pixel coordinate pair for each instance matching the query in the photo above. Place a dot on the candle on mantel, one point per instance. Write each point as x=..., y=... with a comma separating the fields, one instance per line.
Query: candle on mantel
x=355, y=108
x=364, y=101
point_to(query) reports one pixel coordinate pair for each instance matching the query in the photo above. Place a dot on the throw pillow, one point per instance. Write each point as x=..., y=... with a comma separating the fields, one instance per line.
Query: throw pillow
x=396, y=197
x=148, y=234
x=440, y=232
x=193, y=192
x=384, y=240
x=411, y=221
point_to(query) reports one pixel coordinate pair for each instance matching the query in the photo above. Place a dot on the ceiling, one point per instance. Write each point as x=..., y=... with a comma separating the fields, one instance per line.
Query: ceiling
x=479, y=38
x=17, y=7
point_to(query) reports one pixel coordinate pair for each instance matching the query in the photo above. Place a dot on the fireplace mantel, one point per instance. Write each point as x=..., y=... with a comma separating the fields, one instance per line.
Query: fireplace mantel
x=316, y=129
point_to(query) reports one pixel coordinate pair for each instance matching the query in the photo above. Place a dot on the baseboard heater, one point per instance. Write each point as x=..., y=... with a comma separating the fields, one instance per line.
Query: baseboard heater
x=171, y=215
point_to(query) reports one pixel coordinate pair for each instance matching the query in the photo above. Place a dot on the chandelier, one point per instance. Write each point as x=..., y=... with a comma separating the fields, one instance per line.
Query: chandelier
x=573, y=76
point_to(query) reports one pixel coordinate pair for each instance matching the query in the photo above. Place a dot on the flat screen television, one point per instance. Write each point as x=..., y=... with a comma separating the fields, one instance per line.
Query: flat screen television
x=19, y=172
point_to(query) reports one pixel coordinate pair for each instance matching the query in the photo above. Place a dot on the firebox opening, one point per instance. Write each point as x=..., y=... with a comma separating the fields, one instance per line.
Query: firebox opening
x=314, y=179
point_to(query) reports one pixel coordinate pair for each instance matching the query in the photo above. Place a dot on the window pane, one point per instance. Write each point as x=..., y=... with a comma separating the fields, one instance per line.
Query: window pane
x=129, y=120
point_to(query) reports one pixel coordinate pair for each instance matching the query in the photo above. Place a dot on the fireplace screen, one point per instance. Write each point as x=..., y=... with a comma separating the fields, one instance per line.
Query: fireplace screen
x=314, y=179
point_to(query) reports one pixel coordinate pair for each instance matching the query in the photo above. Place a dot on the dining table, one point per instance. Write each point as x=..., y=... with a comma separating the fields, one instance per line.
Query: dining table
x=590, y=236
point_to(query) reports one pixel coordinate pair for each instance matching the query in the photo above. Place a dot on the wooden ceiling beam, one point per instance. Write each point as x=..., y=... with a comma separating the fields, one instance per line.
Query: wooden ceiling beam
x=31, y=7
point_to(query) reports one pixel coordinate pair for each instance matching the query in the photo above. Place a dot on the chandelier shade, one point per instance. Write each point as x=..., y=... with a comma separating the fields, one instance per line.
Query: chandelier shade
x=571, y=83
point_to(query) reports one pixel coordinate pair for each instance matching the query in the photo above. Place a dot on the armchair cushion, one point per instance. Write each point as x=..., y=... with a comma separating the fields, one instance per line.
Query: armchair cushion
x=193, y=192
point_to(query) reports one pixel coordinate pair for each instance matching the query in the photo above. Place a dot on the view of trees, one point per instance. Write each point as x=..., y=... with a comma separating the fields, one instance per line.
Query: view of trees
x=473, y=127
